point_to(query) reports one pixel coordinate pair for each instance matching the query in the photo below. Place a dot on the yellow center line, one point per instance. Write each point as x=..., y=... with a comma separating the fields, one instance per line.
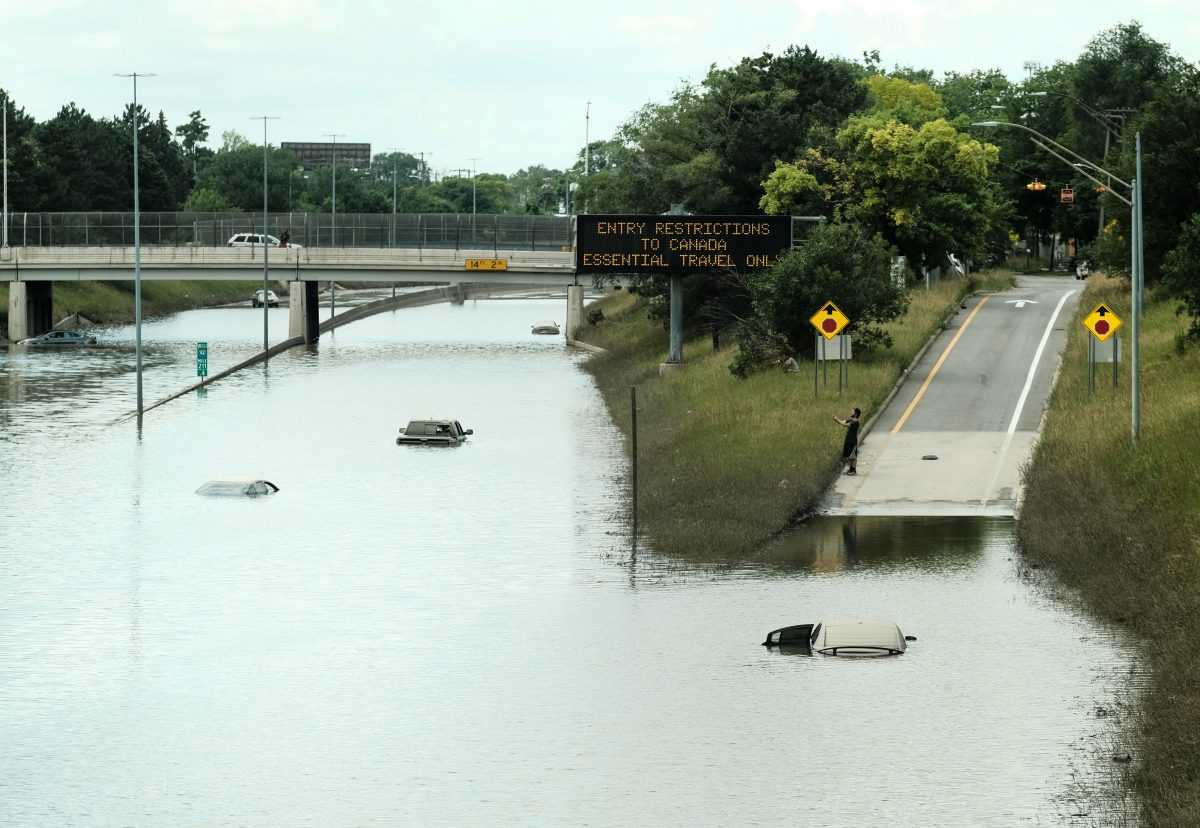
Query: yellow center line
x=941, y=359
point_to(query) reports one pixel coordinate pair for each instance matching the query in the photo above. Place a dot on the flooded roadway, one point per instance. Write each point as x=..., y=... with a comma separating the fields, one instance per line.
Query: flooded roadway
x=463, y=636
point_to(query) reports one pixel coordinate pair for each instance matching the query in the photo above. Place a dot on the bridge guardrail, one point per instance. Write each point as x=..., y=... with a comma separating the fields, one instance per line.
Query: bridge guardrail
x=446, y=231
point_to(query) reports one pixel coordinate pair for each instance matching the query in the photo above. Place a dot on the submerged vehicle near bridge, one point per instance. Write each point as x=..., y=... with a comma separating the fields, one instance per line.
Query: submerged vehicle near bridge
x=433, y=433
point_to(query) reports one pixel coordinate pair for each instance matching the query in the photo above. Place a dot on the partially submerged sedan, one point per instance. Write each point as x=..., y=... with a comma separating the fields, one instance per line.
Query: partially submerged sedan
x=238, y=487
x=849, y=636
x=60, y=338
x=433, y=433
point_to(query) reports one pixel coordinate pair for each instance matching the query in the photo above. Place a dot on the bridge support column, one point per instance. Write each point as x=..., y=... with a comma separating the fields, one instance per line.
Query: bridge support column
x=30, y=309
x=574, y=310
x=304, y=317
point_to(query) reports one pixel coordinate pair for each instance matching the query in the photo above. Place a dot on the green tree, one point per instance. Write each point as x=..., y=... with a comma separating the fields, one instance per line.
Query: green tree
x=236, y=173
x=923, y=188
x=840, y=262
x=203, y=200
x=357, y=192
x=1180, y=273
x=23, y=193
x=191, y=135
x=713, y=144
x=82, y=163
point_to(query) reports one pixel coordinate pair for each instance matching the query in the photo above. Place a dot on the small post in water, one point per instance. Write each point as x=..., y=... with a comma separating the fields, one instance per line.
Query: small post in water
x=634, y=451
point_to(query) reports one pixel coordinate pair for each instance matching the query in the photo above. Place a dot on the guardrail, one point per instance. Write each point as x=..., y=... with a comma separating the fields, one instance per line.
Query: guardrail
x=446, y=231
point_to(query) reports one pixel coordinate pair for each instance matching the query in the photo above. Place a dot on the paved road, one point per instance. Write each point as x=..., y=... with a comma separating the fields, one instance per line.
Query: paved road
x=973, y=402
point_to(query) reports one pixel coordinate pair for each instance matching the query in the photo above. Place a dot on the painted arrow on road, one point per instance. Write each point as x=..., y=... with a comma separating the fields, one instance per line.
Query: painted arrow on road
x=1020, y=303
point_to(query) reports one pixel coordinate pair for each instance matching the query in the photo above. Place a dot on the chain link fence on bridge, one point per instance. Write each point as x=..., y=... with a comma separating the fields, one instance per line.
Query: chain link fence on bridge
x=447, y=231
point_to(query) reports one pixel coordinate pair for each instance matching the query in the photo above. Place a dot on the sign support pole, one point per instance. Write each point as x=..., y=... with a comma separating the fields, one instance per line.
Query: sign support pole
x=675, y=355
x=816, y=345
x=1115, y=355
x=1091, y=366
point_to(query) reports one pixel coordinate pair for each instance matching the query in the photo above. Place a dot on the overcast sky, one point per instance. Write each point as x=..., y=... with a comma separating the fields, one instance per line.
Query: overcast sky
x=505, y=82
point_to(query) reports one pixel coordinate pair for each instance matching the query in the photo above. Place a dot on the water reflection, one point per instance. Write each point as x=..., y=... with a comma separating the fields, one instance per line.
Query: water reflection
x=831, y=544
x=466, y=637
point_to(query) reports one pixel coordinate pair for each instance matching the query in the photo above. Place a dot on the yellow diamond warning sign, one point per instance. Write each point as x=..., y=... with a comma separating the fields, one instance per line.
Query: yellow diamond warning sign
x=829, y=320
x=1102, y=322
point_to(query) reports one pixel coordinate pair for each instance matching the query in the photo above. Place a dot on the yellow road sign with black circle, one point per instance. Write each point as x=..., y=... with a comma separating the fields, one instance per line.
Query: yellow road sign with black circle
x=1102, y=322
x=829, y=320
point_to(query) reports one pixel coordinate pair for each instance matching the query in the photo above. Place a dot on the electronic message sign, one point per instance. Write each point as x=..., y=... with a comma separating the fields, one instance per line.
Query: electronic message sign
x=678, y=244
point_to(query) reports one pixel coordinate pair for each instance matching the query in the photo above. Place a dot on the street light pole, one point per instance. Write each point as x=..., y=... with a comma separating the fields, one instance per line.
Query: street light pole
x=266, y=205
x=473, y=160
x=393, y=151
x=1110, y=124
x=137, y=241
x=1136, y=244
x=333, y=222
x=587, y=144
x=4, y=241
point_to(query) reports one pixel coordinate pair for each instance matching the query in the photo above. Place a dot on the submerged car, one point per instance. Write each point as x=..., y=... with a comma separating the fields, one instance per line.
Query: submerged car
x=257, y=299
x=433, y=433
x=60, y=338
x=849, y=636
x=545, y=327
x=238, y=487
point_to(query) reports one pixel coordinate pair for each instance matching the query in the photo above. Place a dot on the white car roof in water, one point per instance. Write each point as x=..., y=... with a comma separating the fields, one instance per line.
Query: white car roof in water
x=858, y=636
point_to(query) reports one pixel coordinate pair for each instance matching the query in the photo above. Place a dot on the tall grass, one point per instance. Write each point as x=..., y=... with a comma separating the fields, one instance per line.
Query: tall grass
x=724, y=464
x=1120, y=521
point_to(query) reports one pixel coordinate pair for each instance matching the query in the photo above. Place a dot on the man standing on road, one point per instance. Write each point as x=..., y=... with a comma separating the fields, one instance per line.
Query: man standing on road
x=850, y=446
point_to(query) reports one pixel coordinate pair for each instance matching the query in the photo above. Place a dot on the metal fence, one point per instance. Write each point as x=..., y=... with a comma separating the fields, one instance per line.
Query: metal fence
x=453, y=231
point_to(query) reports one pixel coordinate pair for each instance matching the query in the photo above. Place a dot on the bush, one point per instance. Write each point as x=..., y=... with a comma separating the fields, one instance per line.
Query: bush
x=1181, y=274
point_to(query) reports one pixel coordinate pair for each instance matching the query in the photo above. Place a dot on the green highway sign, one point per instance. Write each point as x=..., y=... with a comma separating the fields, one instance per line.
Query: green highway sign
x=202, y=359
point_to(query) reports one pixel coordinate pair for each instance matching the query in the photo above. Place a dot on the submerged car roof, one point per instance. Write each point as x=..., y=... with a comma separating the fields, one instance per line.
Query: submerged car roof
x=853, y=633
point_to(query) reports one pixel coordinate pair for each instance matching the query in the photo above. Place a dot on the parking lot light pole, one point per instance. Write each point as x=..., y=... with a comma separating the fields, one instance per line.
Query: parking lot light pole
x=266, y=205
x=137, y=242
x=1134, y=202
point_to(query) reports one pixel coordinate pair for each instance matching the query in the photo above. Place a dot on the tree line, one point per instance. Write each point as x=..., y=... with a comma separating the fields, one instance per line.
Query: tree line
x=887, y=157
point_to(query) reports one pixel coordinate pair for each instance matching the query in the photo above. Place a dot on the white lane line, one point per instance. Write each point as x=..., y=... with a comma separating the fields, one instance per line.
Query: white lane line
x=1012, y=426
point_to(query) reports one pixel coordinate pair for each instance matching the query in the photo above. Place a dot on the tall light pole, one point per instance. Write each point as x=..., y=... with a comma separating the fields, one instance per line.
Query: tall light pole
x=473, y=160
x=587, y=143
x=1108, y=120
x=266, y=205
x=4, y=241
x=137, y=240
x=393, y=151
x=1134, y=203
x=333, y=221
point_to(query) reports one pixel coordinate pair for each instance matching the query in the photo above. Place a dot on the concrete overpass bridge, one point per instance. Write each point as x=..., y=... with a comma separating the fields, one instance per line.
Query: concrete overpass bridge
x=32, y=271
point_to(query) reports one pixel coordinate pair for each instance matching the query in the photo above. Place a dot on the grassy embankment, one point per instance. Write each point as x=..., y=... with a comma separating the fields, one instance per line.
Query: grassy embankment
x=1121, y=524
x=112, y=302
x=725, y=464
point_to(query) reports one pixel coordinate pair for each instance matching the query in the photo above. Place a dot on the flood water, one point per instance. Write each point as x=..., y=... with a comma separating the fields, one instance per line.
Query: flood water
x=463, y=636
